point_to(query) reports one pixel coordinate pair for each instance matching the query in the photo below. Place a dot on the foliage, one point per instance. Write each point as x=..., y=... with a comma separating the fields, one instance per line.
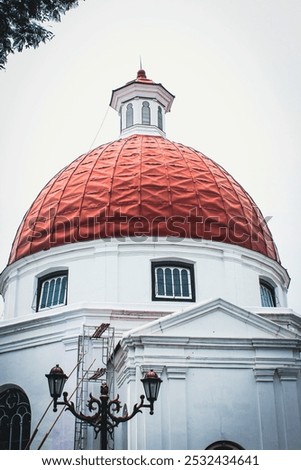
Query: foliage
x=21, y=23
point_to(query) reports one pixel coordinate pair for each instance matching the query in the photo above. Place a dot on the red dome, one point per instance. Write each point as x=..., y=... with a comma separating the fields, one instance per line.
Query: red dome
x=142, y=185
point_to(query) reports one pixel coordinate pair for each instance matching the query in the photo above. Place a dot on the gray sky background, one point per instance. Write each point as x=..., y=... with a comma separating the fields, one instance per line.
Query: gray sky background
x=234, y=66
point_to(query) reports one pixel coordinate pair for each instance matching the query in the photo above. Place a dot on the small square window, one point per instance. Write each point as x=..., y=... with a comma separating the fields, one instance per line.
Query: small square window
x=173, y=281
x=52, y=290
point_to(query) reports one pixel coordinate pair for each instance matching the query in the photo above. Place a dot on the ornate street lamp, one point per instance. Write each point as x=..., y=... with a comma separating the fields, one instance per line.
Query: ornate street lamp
x=56, y=381
x=104, y=418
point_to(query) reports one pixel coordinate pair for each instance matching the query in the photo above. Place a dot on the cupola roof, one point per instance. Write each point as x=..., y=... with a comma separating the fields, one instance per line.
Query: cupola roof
x=142, y=105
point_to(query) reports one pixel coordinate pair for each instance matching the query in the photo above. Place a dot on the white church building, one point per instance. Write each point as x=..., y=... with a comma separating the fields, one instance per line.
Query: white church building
x=146, y=254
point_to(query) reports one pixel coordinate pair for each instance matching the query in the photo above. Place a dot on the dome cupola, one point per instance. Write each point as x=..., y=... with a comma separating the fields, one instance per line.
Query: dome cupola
x=142, y=105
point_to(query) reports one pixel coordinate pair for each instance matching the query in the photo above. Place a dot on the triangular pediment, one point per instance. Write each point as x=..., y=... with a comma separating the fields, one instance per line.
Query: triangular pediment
x=214, y=319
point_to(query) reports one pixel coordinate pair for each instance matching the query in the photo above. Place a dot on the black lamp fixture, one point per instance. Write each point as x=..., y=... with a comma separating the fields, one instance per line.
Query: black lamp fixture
x=151, y=383
x=56, y=381
x=104, y=418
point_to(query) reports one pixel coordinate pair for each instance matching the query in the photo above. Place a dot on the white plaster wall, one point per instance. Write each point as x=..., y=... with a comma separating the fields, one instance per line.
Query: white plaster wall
x=110, y=282
x=28, y=351
x=210, y=391
x=27, y=368
x=117, y=274
x=234, y=394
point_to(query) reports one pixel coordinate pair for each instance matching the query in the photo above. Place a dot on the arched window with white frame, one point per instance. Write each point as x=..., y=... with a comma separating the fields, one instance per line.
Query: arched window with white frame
x=267, y=294
x=173, y=281
x=52, y=290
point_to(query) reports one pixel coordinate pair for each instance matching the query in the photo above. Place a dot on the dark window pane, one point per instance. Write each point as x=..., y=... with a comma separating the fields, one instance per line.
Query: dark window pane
x=145, y=113
x=129, y=115
x=267, y=295
x=176, y=280
x=45, y=288
x=15, y=432
x=50, y=294
x=62, y=298
x=160, y=122
x=185, y=283
x=168, y=282
x=160, y=282
x=4, y=432
x=57, y=289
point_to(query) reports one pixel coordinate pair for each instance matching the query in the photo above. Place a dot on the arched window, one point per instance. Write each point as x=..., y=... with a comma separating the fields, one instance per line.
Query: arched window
x=224, y=445
x=267, y=294
x=15, y=418
x=160, y=119
x=173, y=281
x=129, y=118
x=145, y=113
x=52, y=290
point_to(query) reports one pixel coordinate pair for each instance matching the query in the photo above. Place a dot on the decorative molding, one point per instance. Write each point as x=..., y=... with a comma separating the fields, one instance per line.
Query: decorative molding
x=264, y=375
x=71, y=344
x=288, y=373
x=176, y=372
x=127, y=375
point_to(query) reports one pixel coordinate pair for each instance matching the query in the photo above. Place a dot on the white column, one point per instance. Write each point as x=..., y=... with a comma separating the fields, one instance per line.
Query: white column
x=269, y=438
x=288, y=378
x=151, y=426
x=176, y=407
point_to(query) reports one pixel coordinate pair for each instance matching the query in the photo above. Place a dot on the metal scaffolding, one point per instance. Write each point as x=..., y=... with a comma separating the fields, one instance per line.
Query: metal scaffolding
x=94, y=343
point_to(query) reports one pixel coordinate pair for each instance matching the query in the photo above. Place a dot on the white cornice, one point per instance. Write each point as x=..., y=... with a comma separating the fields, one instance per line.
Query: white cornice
x=150, y=90
x=163, y=325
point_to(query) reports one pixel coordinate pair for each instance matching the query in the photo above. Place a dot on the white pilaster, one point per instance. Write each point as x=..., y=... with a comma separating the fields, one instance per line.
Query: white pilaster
x=288, y=379
x=267, y=408
x=177, y=407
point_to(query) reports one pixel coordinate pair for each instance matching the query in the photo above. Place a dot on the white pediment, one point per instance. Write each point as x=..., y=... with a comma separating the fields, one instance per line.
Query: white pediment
x=214, y=319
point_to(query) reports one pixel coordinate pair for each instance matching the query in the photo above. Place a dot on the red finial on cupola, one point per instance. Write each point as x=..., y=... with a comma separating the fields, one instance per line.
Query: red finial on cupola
x=141, y=74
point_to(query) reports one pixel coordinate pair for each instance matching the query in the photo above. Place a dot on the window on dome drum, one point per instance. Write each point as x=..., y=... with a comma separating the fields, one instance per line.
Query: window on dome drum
x=267, y=294
x=52, y=290
x=145, y=113
x=173, y=281
x=129, y=118
x=160, y=121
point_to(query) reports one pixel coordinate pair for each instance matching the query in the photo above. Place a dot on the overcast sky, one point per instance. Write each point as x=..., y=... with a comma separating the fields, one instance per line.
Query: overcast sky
x=234, y=66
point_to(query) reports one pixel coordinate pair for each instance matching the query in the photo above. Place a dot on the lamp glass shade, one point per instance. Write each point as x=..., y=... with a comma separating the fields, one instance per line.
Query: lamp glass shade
x=151, y=383
x=56, y=381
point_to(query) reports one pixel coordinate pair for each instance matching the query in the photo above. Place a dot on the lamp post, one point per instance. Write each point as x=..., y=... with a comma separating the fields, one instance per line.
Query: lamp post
x=104, y=419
